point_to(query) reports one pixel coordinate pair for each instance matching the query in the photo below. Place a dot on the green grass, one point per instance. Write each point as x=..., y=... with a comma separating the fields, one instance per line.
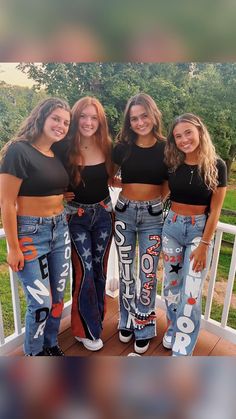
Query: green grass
x=216, y=313
x=230, y=200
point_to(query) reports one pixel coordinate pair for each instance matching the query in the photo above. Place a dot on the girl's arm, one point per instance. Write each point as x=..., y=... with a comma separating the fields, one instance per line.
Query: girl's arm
x=200, y=253
x=115, y=181
x=10, y=186
x=165, y=190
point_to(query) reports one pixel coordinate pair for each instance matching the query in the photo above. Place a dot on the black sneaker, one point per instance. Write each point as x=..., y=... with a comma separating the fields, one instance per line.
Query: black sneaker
x=54, y=351
x=141, y=346
x=125, y=336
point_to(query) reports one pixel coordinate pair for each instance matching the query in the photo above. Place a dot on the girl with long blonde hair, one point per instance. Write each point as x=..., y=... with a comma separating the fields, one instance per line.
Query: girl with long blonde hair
x=197, y=182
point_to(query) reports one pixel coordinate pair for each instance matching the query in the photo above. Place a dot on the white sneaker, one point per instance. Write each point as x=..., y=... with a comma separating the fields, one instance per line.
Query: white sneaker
x=125, y=336
x=166, y=342
x=141, y=346
x=91, y=345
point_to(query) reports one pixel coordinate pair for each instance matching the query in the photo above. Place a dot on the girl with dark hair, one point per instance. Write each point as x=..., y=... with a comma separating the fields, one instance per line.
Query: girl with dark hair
x=197, y=182
x=32, y=184
x=139, y=153
x=87, y=157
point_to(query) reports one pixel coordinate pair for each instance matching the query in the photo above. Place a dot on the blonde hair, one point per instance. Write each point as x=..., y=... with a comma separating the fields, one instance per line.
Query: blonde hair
x=207, y=156
x=102, y=137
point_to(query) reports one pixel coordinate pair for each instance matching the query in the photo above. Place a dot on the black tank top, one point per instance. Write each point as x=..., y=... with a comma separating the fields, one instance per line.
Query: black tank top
x=93, y=186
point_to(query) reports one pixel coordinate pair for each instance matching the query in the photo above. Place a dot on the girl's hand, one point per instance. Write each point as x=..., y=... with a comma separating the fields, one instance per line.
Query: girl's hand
x=199, y=257
x=69, y=196
x=15, y=260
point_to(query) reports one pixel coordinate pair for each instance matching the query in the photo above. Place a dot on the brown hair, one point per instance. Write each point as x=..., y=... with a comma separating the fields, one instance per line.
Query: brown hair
x=126, y=134
x=32, y=127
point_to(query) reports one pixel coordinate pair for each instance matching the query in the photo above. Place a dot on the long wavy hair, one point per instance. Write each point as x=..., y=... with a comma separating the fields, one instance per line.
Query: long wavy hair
x=32, y=127
x=207, y=156
x=126, y=134
x=102, y=138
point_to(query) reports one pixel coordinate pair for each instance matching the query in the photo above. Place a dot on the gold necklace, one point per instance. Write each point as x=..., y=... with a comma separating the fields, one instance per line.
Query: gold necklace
x=148, y=145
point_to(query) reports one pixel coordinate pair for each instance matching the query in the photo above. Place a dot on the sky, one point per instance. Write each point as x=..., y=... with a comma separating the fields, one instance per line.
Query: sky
x=11, y=75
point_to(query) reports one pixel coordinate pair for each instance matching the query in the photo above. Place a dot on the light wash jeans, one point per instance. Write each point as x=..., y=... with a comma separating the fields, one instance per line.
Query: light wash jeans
x=45, y=243
x=183, y=286
x=142, y=221
x=90, y=228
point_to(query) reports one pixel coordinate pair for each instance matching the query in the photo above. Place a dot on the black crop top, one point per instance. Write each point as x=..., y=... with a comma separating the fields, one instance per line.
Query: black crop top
x=143, y=165
x=93, y=186
x=42, y=175
x=187, y=186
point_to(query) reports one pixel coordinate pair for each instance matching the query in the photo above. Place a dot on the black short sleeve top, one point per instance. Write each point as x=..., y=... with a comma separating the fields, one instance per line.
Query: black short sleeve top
x=41, y=175
x=141, y=165
x=187, y=186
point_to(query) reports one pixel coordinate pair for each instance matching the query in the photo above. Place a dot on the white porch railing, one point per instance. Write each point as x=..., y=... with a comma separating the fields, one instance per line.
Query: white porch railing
x=9, y=343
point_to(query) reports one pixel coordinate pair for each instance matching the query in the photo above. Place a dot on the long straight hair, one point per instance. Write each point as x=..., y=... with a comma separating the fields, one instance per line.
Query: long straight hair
x=102, y=138
x=207, y=156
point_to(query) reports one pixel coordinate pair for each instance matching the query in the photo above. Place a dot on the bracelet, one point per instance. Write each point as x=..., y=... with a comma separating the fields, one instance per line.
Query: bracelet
x=205, y=242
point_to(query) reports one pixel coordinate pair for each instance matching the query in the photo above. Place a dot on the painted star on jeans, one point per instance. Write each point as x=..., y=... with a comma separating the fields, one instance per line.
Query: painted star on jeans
x=81, y=238
x=86, y=253
x=172, y=298
x=97, y=259
x=100, y=248
x=175, y=268
x=88, y=265
x=104, y=235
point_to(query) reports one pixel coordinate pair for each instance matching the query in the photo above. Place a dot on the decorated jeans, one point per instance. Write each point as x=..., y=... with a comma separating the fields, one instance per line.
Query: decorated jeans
x=45, y=243
x=90, y=228
x=183, y=286
x=142, y=221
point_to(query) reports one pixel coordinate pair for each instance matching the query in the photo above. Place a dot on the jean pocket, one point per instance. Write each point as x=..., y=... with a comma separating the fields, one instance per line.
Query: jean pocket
x=154, y=209
x=120, y=206
x=27, y=229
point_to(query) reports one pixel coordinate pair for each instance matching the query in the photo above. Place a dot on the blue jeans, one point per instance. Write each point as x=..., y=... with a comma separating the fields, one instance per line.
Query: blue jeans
x=140, y=220
x=90, y=228
x=45, y=243
x=183, y=286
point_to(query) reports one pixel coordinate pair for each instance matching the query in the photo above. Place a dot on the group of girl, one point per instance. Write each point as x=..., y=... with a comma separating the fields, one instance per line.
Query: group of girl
x=56, y=207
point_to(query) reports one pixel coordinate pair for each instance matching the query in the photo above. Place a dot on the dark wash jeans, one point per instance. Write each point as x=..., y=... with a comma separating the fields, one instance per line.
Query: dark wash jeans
x=90, y=228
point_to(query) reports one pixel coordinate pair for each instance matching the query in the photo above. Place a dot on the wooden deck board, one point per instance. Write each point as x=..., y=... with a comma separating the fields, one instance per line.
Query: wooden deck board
x=208, y=344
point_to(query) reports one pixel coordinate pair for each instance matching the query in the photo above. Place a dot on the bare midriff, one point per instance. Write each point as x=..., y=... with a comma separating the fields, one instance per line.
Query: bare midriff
x=141, y=191
x=40, y=206
x=185, y=209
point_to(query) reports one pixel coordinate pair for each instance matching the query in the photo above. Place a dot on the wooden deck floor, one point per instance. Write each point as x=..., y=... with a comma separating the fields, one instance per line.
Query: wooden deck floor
x=207, y=344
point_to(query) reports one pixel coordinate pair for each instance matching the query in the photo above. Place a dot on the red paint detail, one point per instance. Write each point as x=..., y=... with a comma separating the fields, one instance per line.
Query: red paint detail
x=103, y=204
x=191, y=301
x=145, y=321
x=57, y=309
x=28, y=248
x=175, y=282
x=80, y=212
x=148, y=285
